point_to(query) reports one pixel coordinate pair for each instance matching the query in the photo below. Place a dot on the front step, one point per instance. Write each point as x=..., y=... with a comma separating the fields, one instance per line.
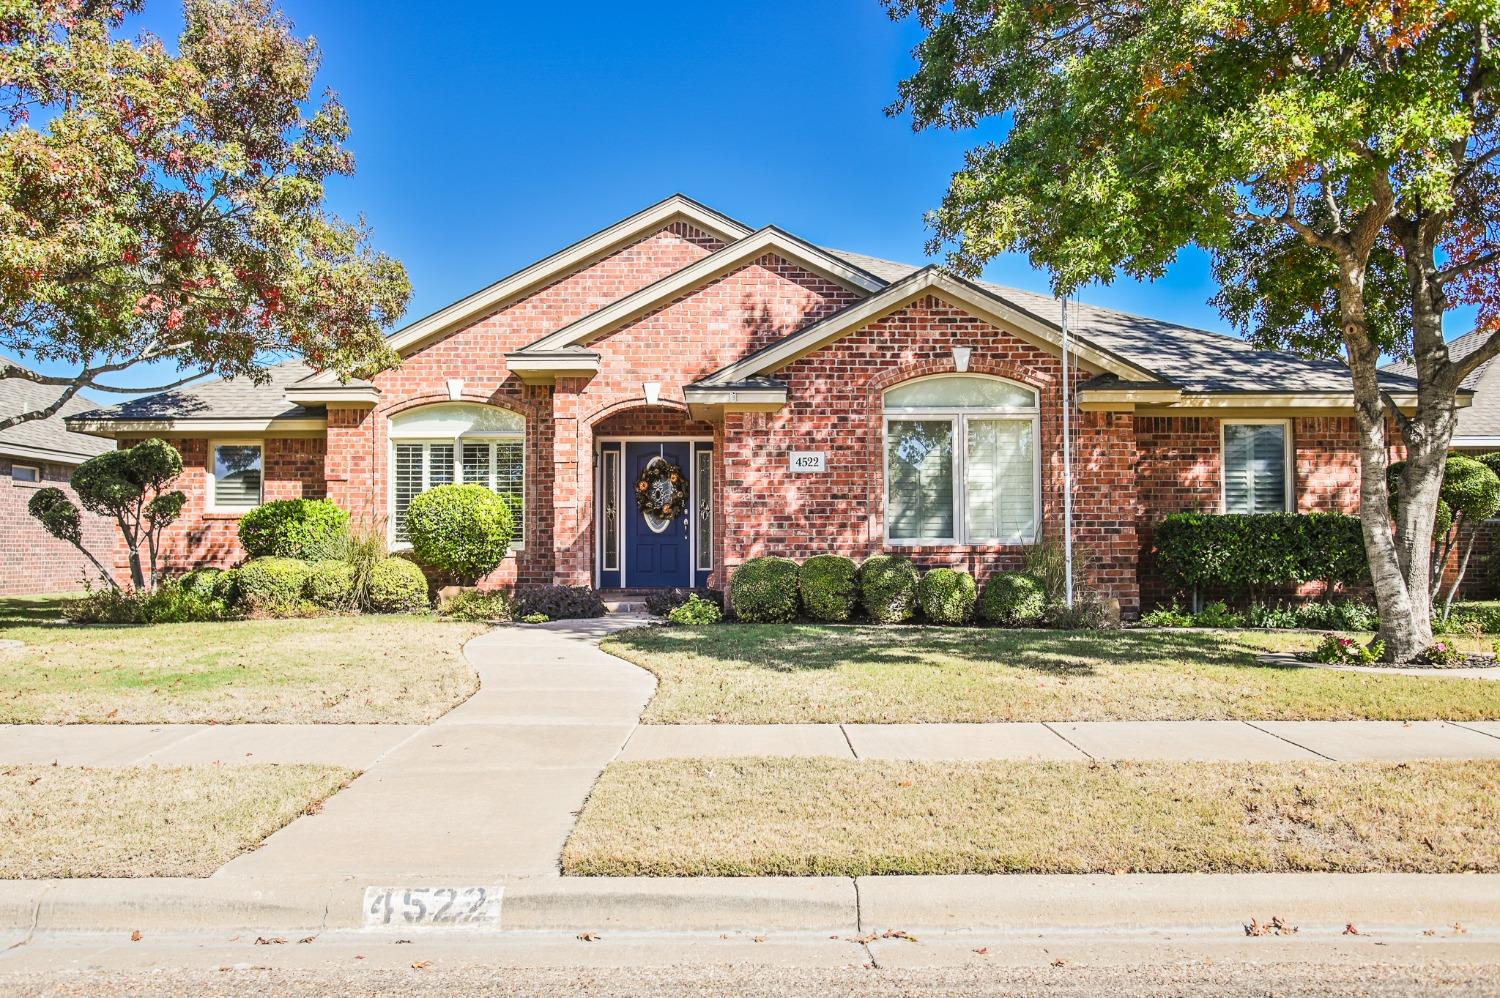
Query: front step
x=625, y=604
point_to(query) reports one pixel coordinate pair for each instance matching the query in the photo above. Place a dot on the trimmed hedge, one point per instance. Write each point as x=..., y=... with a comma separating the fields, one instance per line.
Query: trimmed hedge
x=330, y=584
x=1013, y=599
x=947, y=596
x=764, y=591
x=1239, y=553
x=397, y=586
x=888, y=588
x=830, y=587
x=294, y=528
x=460, y=530
x=272, y=586
x=200, y=581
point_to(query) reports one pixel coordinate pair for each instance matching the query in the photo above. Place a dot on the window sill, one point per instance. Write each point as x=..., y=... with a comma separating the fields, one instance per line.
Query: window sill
x=225, y=514
x=956, y=545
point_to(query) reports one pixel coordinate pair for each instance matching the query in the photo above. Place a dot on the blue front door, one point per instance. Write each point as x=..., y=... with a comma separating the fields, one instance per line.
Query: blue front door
x=657, y=552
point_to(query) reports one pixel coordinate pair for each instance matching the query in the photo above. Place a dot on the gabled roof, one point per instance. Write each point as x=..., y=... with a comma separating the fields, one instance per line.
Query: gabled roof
x=44, y=439
x=737, y=254
x=1480, y=421
x=678, y=207
x=212, y=404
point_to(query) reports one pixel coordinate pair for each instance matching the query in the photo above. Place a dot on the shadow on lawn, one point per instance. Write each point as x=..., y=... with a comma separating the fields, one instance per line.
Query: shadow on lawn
x=809, y=647
x=30, y=611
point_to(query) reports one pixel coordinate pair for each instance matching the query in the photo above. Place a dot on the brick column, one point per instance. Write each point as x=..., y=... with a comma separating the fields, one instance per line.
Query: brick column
x=572, y=462
x=349, y=461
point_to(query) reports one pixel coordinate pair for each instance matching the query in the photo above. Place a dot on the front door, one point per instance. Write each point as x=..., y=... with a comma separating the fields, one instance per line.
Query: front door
x=657, y=551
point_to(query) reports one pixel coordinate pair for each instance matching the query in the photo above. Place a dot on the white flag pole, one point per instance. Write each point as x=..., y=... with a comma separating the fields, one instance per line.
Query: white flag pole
x=1067, y=390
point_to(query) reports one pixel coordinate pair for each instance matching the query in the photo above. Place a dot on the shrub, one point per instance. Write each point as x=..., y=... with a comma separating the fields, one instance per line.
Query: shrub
x=1343, y=615
x=1238, y=553
x=478, y=607
x=661, y=602
x=535, y=618
x=311, y=529
x=397, y=586
x=227, y=586
x=169, y=603
x=364, y=548
x=1047, y=562
x=1334, y=650
x=1217, y=614
x=764, y=591
x=1167, y=616
x=1088, y=613
x=202, y=581
x=330, y=584
x=1013, y=599
x=888, y=588
x=696, y=611
x=947, y=596
x=460, y=530
x=559, y=602
x=830, y=587
x=272, y=586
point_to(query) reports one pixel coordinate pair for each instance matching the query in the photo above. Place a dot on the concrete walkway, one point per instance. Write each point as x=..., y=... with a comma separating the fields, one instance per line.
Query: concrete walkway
x=491, y=789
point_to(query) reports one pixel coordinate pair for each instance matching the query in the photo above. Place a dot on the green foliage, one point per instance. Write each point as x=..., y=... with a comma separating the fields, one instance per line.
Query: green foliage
x=460, y=530
x=478, y=606
x=272, y=587
x=830, y=587
x=165, y=202
x=1171, y=615
x=1334, y=650
x=888, y=588
x=227, y=586
x=1047, y=563
x=764, y=591
x=1338, y=615
x=330, y=584
x=57, y=514
x=1444, y=655
x=1013, y=599
x=397, y=586
x=169, y=603
x=560, y=602
x=1237, y=553
x=660, y=602
x=202, y=581
x=535, y=618
x=311, y=529
x=947, y=596
x=364, y=548
x=1218, y=614
x=696, y=612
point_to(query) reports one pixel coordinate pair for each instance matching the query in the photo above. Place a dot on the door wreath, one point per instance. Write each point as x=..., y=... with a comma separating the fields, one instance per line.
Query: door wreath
x=661, y=491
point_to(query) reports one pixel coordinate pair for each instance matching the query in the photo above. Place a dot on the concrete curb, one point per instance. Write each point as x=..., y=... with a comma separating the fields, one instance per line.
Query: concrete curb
x=1127, y=903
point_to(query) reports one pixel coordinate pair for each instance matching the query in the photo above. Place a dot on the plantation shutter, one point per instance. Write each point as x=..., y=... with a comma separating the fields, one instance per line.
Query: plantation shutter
x=919, y=469
x=499, y=467
x=408, y=484
x=1255, y=467
x=1001, y=503
x=237, y=476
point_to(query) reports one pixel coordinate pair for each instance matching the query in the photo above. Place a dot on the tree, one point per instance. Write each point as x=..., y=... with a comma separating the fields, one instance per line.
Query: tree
x=129, y=486
x=1469, y=496
x=168, y=208
x=1336, y=160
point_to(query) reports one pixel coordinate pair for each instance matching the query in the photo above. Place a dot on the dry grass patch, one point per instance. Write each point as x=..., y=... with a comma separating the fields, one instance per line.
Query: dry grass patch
x=772, y=674
x=181, y=821
x=348, y=670
x=801, y=817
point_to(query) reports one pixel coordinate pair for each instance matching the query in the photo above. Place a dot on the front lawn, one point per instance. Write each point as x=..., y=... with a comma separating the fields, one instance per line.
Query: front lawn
x=769, y=674
x=185, y=821
x=353, y=669
x=826, y=817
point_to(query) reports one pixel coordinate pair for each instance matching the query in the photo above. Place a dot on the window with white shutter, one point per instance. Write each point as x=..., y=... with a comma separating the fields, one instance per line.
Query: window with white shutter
x=1256, y=467
x=459, y=442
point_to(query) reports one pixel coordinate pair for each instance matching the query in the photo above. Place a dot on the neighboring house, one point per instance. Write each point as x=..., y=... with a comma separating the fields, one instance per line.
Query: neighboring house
x=816, y=400
x=33, y=455
x=1478, y=429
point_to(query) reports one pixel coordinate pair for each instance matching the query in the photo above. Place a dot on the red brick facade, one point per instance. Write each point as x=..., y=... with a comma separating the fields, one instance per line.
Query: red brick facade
x=1130, y=470
x=32, y=560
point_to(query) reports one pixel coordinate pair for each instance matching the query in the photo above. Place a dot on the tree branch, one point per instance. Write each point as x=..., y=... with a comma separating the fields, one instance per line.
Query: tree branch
x=1472, y=264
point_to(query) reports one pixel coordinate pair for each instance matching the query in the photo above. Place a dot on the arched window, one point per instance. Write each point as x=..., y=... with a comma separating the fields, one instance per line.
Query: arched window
x=961, y=461
x=457, y=442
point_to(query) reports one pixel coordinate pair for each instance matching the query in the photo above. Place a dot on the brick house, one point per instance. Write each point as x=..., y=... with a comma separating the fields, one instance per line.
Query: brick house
x=815, y=400
x=34, y=455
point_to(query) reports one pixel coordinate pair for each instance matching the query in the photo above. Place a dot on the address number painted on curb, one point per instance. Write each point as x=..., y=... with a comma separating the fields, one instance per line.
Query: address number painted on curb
x=432, y=907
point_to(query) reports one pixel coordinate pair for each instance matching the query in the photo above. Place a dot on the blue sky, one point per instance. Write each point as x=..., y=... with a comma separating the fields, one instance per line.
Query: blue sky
x=491, y=134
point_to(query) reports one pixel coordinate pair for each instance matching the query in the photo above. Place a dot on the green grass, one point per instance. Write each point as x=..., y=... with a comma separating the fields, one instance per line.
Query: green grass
x=827, y=817
x=183, y=821
x=348, y=669
x=759, y=674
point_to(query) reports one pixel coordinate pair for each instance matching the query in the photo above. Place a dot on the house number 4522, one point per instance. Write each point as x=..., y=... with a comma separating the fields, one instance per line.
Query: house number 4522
x=808, y=460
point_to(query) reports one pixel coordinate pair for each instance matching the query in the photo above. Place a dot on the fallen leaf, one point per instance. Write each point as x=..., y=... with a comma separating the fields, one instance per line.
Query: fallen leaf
x=307, y=939
x=1459, y=930
x=983, y=951
x=1429, y=932
x=898, y=934
x=135, y=936
x=589, y=937
x=1350, y=930
x=1059, y=962
x=758, y=939
x=421, y=964
x=903, y=783
x=400, y=942
x=269, y=941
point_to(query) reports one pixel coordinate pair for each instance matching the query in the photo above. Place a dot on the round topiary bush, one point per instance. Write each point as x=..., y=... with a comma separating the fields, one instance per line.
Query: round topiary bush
x=330, y=584
x=764, y=591
x=272, y=586
x=460, y=530
x=888, y=588
x=200, y=582
x=397, y=586
x=1013, y=599
x=294, y=528
x=830, y=587
x=947, y=596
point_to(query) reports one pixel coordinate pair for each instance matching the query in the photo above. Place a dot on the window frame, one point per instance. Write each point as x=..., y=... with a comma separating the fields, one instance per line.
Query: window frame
x=457, y=442
x=958, y=418
x=21, y=483
x=1288, y=463
x=211, y=504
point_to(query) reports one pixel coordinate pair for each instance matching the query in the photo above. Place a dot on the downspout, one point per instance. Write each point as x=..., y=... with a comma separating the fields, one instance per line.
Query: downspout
x=1067, y=463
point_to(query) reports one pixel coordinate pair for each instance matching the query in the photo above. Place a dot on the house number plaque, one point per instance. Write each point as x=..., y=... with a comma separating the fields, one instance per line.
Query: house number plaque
x=804, y=461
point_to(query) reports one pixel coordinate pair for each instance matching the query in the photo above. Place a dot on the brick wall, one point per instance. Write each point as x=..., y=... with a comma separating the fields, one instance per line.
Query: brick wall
x=32, y=560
